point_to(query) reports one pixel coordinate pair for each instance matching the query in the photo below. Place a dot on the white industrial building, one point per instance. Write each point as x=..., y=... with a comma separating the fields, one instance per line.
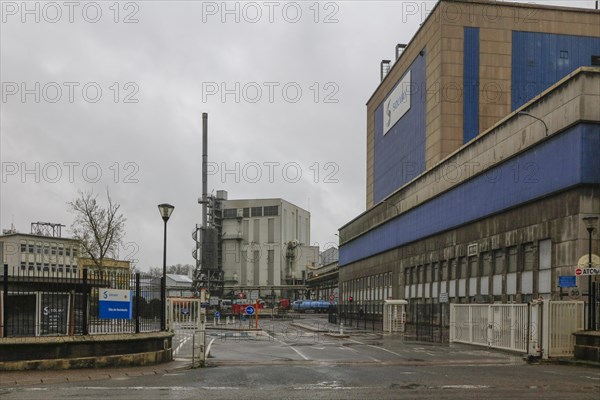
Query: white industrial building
x=265, y=243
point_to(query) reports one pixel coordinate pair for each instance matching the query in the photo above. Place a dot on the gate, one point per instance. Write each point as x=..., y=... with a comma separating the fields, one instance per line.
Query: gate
x=501, y=326
x=182, y=312
x=394, y=316
x=542, y=328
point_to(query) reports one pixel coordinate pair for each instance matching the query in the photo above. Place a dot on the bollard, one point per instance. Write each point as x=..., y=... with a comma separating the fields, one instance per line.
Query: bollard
x=214, y=322
x=341, y=328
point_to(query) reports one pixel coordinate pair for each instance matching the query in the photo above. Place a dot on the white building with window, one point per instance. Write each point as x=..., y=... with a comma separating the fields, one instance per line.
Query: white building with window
x=265, y=242
x=29, y=254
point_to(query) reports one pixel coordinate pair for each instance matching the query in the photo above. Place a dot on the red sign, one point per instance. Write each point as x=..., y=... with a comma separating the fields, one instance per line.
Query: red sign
x=578, y=271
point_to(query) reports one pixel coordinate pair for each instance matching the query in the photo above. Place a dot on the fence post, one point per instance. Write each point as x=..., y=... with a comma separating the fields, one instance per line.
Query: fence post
x=137, y=302
x=4, y=302
x=84, y=322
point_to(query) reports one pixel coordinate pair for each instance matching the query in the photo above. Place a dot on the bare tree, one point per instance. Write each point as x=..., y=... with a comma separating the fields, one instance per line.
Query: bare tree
x=99, y=230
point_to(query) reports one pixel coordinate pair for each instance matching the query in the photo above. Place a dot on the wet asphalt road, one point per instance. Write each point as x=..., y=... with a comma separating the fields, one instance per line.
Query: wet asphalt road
x=286, y=362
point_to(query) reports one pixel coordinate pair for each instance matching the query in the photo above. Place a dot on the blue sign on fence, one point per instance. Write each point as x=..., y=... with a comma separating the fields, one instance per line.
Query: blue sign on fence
x=249, y=310
x=567, y=281
x=114, y=304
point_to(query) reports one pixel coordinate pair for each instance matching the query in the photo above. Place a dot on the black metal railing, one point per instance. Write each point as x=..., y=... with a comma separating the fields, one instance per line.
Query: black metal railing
x=47, y=303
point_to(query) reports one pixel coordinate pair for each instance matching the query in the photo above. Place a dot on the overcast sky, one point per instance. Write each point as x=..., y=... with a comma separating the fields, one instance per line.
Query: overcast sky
x=98, y=95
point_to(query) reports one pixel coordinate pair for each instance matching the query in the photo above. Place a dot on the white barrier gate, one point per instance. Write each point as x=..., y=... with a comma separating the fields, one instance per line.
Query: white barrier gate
x=394, y=316
x=501, y=326
x=543, y=328
x=185, y=315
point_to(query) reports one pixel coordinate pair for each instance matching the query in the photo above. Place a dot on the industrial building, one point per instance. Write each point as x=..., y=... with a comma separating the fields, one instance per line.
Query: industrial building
x=264, y=245
x=482, y=160
x=43, y=251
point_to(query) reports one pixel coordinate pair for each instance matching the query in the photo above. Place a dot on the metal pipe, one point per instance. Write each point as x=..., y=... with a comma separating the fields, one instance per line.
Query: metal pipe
x=590, y=295
x=163, y=284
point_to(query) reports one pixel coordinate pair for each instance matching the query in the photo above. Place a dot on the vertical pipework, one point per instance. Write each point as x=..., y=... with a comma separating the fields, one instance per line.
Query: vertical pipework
x=204, y=166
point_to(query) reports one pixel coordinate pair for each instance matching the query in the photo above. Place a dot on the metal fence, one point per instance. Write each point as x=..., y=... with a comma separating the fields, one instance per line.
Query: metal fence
x=53, y=304
x=360, y=316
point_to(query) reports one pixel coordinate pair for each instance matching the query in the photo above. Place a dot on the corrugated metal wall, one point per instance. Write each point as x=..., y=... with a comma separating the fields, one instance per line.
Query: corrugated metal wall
x=471, y=84
x=541, y=59
x=400, y=154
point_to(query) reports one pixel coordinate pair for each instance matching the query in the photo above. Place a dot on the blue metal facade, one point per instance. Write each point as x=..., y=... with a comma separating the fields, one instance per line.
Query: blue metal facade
x=400, y=153
x=471, y=84
x=563, y=161
x=539, y=60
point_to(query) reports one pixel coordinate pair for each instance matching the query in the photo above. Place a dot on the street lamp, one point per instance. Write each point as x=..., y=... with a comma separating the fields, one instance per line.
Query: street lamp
x=590, y=224
x=165, y=212
x=534, y=117
x=392, y=205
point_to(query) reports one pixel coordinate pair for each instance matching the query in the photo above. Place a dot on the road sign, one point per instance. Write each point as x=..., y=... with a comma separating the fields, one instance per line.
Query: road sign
x=443, y=297
x=567, y=281
x=217, y=315
x=587, y=271
x=249, y=310
x=114, y=304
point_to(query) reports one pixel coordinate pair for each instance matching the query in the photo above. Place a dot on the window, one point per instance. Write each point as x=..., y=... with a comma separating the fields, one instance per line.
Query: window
x=270, y=211
x=256, y=211
x=498, y=262
x=74, y=252
x=487, y=264
x=528, y=259
x=230, y=213
x=31, y=248
x=444, y=267
x=68, y=252
x=453, y=269
x=462, y=264
x=512, y=259
x=53, y=250
x=61, y=251
x=473, y=267
x=23, y=247
x=246, y=212
x=23, y=265
x=428, y=273
x=564, y=54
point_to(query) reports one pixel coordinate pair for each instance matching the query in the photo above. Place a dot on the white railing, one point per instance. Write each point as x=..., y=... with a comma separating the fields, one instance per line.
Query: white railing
x=501, y=326
x=565, y=317
x=544, y=329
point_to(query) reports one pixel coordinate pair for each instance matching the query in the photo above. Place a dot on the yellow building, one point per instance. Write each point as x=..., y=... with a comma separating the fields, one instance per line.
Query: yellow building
x=109, y=265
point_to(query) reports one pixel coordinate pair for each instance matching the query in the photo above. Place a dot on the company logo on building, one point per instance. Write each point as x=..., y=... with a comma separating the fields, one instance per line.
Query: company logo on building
x=397, y=103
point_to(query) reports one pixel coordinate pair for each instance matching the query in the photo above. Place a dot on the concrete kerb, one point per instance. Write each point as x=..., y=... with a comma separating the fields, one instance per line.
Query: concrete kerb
x=24, y=378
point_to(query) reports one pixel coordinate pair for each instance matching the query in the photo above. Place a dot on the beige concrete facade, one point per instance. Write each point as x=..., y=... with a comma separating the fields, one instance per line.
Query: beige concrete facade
x=36, y=254
x=442, y=37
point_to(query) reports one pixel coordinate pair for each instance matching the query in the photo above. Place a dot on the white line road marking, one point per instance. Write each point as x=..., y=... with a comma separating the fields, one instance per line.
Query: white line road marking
x=465, y=387
x=389, y=351
x=209, y=346
x=288, y=345
x=184, y=341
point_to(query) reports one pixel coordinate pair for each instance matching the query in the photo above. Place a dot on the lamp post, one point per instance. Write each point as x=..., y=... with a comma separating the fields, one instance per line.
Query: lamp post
x=590, y=223
x=534, y=117
x=165, y=212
